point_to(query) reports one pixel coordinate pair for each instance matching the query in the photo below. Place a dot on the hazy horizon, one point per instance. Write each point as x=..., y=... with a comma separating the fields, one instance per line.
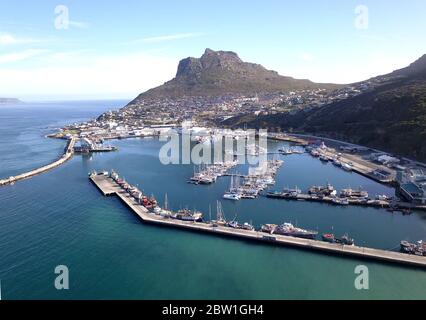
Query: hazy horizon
x=101, y=50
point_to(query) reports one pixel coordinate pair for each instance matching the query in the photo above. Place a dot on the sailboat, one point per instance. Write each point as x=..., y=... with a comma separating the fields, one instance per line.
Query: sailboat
x=232, y=194
x=165, y=212
x=220, y=216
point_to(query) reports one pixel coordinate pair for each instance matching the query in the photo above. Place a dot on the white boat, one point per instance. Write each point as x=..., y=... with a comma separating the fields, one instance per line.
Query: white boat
x=340, y=201
x=232, y=196
x=347, y=167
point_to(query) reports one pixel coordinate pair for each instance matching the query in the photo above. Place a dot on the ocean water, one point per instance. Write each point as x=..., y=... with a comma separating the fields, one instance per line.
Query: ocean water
x=59, y=218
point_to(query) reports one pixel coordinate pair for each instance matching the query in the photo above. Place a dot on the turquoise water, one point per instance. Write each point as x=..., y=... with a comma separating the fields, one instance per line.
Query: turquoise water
x=59, y=218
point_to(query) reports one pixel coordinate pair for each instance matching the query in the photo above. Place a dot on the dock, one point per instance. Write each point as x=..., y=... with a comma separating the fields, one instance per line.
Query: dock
x=288, y=138
x=69, y=151
x=327, y=199
x=108, y=187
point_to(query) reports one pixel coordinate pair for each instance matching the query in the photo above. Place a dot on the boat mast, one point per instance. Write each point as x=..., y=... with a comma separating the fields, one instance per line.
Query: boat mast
x=166, y=202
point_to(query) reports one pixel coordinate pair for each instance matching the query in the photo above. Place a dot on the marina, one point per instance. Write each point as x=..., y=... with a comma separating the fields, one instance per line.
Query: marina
x=327, y=194
x=109, y=187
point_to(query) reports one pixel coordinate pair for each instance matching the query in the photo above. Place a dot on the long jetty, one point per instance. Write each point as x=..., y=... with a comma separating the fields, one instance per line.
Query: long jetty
x=69, y=151
x=327, y=199
x=109, y=187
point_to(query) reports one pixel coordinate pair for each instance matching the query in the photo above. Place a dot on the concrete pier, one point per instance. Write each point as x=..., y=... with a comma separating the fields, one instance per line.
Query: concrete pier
x=108, y=187
x=69, y=151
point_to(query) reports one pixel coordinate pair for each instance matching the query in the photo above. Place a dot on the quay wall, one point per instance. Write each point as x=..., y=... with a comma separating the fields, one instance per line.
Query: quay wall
x=109, y=188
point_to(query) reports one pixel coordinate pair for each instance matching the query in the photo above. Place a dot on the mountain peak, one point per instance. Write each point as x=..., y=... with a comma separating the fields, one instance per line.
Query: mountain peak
x=210, y=60
x=218, y=73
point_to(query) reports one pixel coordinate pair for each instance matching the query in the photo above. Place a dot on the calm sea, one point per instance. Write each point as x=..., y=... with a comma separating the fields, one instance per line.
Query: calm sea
x=59, y=218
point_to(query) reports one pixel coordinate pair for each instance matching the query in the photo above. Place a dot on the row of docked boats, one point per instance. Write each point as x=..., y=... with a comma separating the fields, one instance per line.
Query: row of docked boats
x=208, y=174
x=151, y=204
x=288, y=229
x=336, y=160
x=234, y=224
x=257, y=181
x=286, y=151
x=328, y=193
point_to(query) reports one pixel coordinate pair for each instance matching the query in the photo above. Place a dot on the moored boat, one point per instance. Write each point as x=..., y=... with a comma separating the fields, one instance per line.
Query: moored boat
x=329, y=237
x=287, y=229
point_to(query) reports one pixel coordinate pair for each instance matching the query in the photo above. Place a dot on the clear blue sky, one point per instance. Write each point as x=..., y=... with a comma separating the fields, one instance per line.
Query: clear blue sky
x=117, y=49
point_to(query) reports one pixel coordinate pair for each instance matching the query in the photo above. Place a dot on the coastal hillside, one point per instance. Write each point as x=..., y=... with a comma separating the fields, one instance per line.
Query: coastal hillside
x=391, y=116
x=219, y=73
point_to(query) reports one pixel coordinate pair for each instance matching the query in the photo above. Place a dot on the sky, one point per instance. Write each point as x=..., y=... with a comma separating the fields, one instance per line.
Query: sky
x=60, y=50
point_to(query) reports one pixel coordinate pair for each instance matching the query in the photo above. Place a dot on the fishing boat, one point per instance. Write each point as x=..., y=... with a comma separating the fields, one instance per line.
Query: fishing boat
x=188, y=215
x=268, y=228
x=418, y=248
x=287, y=229
x=329, y=237
x=351, y=193
x=346, y=240
x=327, y=190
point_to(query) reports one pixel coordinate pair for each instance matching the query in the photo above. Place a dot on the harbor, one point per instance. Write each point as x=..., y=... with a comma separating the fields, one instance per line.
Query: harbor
x=109, y=187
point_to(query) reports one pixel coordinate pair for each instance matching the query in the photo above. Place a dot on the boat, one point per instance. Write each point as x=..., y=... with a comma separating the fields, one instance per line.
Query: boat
x=247, y=226
x=234, y=224
x=188, y=215
x=324, y=158
x=347, y=167
x=287, y=229
x=245, y=195
x=220, y=216
x=315, y=153
x=340, y=201
x=337, y=163
x=232, y=196
x=165, y=212
x=346, y=240
x=382, y=197
x=268, y=228
x=291, y=192
x=327, y=190
x=157, y=210
x=329, y=237
x=418, y=248
x=285, y=151
x=351, y=193
x=407, y=247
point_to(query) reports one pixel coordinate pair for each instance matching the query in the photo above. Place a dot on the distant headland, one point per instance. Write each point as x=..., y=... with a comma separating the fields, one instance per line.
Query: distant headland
x=10, y=101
